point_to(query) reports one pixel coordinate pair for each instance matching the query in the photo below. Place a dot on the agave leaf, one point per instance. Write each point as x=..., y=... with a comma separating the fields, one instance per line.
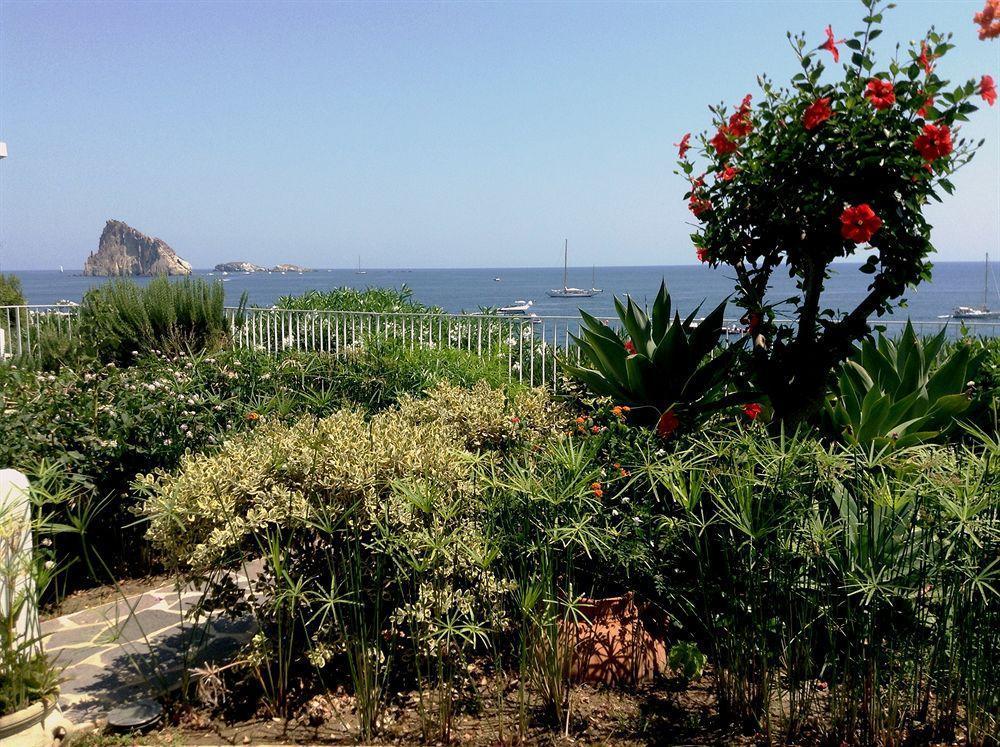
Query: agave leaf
x=607, y=356
x=873, y=412
x=951, y=375
x=598, y=383
x=661, y=313
x=705, y=337
x=638, y=369
x=950, y=405
x=673, y=350
x=600, y=329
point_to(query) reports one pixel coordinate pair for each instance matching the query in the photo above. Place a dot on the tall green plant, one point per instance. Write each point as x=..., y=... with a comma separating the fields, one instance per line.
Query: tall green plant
x=670, y=372
x=123, y=320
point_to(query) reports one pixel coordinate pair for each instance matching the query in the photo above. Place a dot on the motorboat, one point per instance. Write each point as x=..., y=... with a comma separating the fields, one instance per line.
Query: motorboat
x=518, y=307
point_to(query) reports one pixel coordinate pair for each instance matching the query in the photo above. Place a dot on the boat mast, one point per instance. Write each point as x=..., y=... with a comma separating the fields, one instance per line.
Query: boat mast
x=565, y=263
x=986, y=282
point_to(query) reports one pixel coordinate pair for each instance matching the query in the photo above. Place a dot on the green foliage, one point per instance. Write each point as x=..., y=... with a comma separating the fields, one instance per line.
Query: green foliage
x=687, y=659
x=350, y=509
x=894, y=393
x=104, y=424
x=123, y=320
x=10, y=290
x=777, y=185
x=673, y=365
x=874, y=576
x=382, y=300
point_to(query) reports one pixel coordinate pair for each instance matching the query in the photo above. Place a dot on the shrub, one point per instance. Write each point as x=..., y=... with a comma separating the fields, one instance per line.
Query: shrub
x=347, y=509
x=817, y=171
x=123, y=320
x=10, y=290
x=382, y=300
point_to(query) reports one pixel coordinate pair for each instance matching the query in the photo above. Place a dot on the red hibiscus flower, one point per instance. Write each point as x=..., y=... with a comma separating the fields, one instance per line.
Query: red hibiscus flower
x=880, y=93
x=667, y=424
x=752, y=319
x=722, y=143
x=925, y=59
x=816, y=113
x=830, y=45
x=739, y=123
x=629, y=347
x=699, y=205
x=729, y=173
x=928, y=103
x=988, y=90
x=684, y=145
x=934, y=142
x=858, y=223
x=752, y=410
x=988, y=20
x=702, y=253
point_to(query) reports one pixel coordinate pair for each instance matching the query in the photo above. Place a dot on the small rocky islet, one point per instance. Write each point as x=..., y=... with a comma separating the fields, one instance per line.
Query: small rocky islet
x=125, y=251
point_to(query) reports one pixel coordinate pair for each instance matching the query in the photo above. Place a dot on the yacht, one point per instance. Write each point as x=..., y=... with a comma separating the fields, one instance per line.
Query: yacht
x=978, y=312
x=519, y=306
x=359, y=271
x=566, y=291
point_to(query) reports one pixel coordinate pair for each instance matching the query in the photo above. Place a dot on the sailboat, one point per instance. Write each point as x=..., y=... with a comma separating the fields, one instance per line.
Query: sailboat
x=566, y=291
x=981, y=312
x=593, y=281
x=359, y=271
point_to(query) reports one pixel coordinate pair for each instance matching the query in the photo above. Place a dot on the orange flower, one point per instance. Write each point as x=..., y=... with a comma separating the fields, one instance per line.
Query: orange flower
x=596, y=489
x=252, y=416
x=581, y=420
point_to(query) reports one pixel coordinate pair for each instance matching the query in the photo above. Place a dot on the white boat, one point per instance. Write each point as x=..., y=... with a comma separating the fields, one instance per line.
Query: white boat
x=497, y=280
x=593, y=282
x=566, y=291
x=519, y=306
x=978, y=312
x=359, y=271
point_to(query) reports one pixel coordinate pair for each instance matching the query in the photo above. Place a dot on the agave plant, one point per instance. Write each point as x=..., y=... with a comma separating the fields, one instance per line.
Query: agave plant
x=893, y=394
x=669, y=372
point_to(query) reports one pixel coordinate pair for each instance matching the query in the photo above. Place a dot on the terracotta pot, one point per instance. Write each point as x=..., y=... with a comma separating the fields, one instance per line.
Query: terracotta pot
x=33, y=726
x=620, y=643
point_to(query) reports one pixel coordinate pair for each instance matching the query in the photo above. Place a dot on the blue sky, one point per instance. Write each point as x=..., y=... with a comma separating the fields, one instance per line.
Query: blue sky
x=412, y=134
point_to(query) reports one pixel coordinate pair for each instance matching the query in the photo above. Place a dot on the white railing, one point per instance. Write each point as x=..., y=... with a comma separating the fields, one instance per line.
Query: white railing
x=530, y=347
x=21, y=327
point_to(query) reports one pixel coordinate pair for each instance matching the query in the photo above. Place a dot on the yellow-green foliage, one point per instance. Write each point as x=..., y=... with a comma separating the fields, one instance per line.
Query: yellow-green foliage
x=487, y=418
x=390, y=495
x=277, y=474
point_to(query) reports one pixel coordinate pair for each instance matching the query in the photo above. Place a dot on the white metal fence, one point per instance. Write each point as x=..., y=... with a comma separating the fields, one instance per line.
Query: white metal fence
x=530, y=347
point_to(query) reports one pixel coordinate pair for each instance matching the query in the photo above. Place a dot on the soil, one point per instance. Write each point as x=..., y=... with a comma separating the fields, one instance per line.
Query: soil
x=96, y=596
x=669, y=713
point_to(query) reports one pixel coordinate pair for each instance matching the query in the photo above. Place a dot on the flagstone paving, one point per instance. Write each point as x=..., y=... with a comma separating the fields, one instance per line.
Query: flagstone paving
x=135, y=647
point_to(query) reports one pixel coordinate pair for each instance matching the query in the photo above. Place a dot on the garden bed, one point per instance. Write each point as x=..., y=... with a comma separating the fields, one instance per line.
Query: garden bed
x=669, y=712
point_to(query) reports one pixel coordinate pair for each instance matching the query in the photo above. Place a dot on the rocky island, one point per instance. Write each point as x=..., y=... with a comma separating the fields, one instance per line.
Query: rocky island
x=123, y=250
x=289, y=268
x=239, y=267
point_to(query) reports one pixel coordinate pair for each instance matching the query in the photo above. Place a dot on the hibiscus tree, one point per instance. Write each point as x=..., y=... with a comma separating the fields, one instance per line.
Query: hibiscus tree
x=840, y=163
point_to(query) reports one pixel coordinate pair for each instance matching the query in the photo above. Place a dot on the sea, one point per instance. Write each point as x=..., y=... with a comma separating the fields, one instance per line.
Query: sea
x=469, y=290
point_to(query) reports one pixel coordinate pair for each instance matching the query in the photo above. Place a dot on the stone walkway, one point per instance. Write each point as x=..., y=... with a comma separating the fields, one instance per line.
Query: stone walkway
x=135, y=647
